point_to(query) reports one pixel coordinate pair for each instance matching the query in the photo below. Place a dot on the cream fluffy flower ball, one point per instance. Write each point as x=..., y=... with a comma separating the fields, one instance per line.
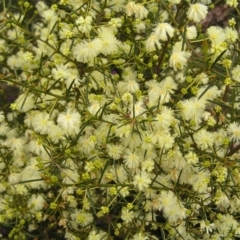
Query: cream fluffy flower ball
x=191, y=32
x=69, y=121
x=216, y=34
x=164, y=31
x=142, y=180
x=236, y=73
x=86, y=51
x=152, y=43
x=197, y=12
x=178, y=60
x=233, y=131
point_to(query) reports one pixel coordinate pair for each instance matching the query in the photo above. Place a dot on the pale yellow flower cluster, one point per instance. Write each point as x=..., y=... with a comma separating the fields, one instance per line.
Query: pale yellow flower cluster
x=126, y=125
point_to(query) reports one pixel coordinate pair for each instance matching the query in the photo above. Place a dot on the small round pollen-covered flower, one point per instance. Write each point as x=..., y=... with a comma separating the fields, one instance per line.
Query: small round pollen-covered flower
x=36, y=203
x=216, y=34
x=197, y=12
x=234, y=131
x=130, y=8
x=152, y=43
x=139, y=236
x=84, y=24
x=236, y=73
x=140, y=11
x=24, y=102
x=69, y=121
x=127, y=215
x=42, y=122
x=114, y=151
x=109, y=42
x=164, y=31
x=178, y=60
x=231, y=34
x=142, y=180
x=96, y=234
x=204, y=139
x=82, y=218
x=232, y=3
x=131, y=86
x=131, y=159
x=191, y=32
x=59, y=71
x=87, y=50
